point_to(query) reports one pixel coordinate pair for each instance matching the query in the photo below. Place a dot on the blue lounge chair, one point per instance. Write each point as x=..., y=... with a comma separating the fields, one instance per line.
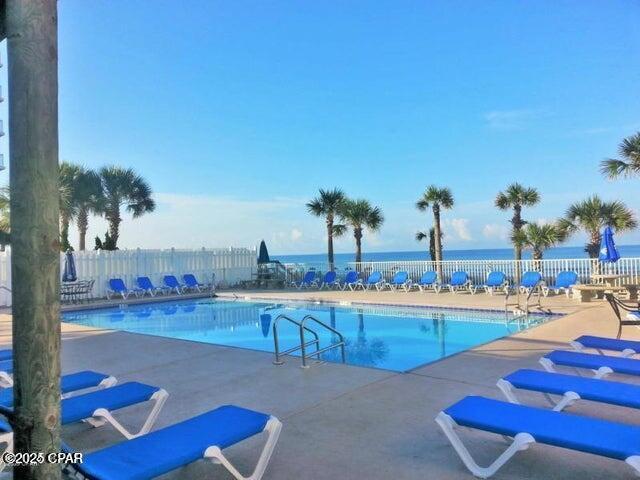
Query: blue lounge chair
x=117, y=287
x=602, y=365
x=172, y=284
x=530, y=282
x=309, y=280
x=374, y=280
x=330, y=280
x=627, y=348
x=6, y=354
x=351, y=280
x=95, y=407
x=459, y=282
x=428, y=280
x=146, y=285
x=201, y=437
x=192, y=283
x=399, y=280
x=565, y=281
x=571, y=388
x=495, y=282
x=71, y=382
x=528, y=425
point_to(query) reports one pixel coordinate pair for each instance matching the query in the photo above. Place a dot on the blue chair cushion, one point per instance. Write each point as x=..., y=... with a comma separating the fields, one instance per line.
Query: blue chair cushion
x=6, y=354
x=80, y=407
x=172, y=447
x=428, y=278
x=68, y=383
x=585, y=434
x=627, y=366
x=593, y=389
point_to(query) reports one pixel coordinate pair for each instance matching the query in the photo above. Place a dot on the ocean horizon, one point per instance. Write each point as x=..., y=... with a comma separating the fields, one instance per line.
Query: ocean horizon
x=342, y=259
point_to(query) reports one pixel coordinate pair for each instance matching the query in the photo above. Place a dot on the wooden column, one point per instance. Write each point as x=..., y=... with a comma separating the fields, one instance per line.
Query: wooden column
x=31, y=29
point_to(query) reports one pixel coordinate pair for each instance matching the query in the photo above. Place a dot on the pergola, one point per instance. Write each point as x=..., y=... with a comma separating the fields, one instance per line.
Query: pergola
x=31, y=30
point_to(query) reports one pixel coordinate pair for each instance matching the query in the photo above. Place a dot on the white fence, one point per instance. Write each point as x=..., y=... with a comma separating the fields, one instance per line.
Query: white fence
x=230, y=265
x=478, y=269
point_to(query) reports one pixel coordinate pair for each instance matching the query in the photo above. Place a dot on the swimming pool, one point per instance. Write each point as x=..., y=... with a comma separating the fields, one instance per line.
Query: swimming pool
x=386, y=337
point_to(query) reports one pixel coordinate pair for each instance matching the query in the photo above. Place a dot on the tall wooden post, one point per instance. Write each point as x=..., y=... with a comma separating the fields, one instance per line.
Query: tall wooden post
x=31, y=28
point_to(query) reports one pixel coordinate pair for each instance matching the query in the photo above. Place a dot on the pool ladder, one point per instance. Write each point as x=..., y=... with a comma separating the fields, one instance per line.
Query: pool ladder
x=302, y=328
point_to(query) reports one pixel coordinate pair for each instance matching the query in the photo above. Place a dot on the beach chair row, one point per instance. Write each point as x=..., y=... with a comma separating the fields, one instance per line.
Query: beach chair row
x=144, y=286
x=96, y=399
x=527, y=425
x=495, y=282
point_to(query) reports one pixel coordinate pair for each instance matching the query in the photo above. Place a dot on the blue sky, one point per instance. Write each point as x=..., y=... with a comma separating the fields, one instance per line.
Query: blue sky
x=237, y=111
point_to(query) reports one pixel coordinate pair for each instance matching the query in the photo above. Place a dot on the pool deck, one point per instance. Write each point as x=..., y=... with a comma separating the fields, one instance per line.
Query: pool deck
x=346, y=422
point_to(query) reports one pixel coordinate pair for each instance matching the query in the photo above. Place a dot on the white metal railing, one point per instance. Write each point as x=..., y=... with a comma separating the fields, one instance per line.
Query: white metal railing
x=230, y=266
x=478, y=269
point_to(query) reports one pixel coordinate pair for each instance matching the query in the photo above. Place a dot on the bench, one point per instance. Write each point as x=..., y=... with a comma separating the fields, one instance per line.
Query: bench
x=585, y=293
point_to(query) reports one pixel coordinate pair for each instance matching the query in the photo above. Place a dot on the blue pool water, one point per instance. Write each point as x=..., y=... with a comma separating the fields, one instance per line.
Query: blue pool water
x=392, y=338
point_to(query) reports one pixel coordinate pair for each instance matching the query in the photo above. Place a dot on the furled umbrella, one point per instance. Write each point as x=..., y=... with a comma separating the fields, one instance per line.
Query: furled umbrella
x=608, y=251
x=69, y=274
x=265, y=322
x=263, y=254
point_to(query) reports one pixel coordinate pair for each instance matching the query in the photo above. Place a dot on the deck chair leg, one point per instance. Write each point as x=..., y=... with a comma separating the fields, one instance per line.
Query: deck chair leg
x=272, y=429
x=5, y=380
x=634, y=462
x=520, y=442
x=6, y=440
x=102, y=416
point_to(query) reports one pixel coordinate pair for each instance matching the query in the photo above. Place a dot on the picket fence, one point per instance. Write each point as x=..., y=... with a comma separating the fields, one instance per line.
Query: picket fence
x=229, y=265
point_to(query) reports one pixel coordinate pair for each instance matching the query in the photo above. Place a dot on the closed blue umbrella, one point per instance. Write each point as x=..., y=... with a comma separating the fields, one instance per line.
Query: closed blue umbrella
x=263, y=254
x=69, y=274
x=608, y=251
x=265, y=321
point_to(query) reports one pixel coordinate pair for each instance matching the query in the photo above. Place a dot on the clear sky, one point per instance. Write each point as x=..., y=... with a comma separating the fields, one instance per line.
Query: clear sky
x=237, y=111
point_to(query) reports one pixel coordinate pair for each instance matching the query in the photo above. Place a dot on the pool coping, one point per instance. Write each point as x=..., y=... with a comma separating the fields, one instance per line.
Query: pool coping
x=348, y=303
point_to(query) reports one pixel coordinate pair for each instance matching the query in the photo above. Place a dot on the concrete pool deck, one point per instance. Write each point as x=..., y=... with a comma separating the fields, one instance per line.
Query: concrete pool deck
x=345, y=422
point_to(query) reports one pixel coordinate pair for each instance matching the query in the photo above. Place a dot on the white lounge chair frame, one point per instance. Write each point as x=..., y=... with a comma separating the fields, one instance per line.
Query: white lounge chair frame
x=102, y=416
x=522, y=441
x=601, y=372
x=568, y=399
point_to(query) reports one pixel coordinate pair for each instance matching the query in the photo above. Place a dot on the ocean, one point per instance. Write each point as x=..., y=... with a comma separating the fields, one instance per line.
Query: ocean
x=341, y=259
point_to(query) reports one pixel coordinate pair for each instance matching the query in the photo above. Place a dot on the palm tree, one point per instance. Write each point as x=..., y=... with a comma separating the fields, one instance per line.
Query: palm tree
x=87, y=198
x=592, y=215
x=431, y=236
x=437, y=198
x=359, y=214
x=516, y=197
x=539, y=237
x=124, y=188
x=68, y=174
x=629, y=165
x=328, y=205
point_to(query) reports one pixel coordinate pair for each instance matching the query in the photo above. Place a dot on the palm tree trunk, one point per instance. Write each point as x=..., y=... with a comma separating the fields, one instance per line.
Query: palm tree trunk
x=114, y=220
x=593, y=247
x=83, y=225
x=330, y=242
x=31, y=29
x=517, y=223
x=438, y=240
x=357, y=233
